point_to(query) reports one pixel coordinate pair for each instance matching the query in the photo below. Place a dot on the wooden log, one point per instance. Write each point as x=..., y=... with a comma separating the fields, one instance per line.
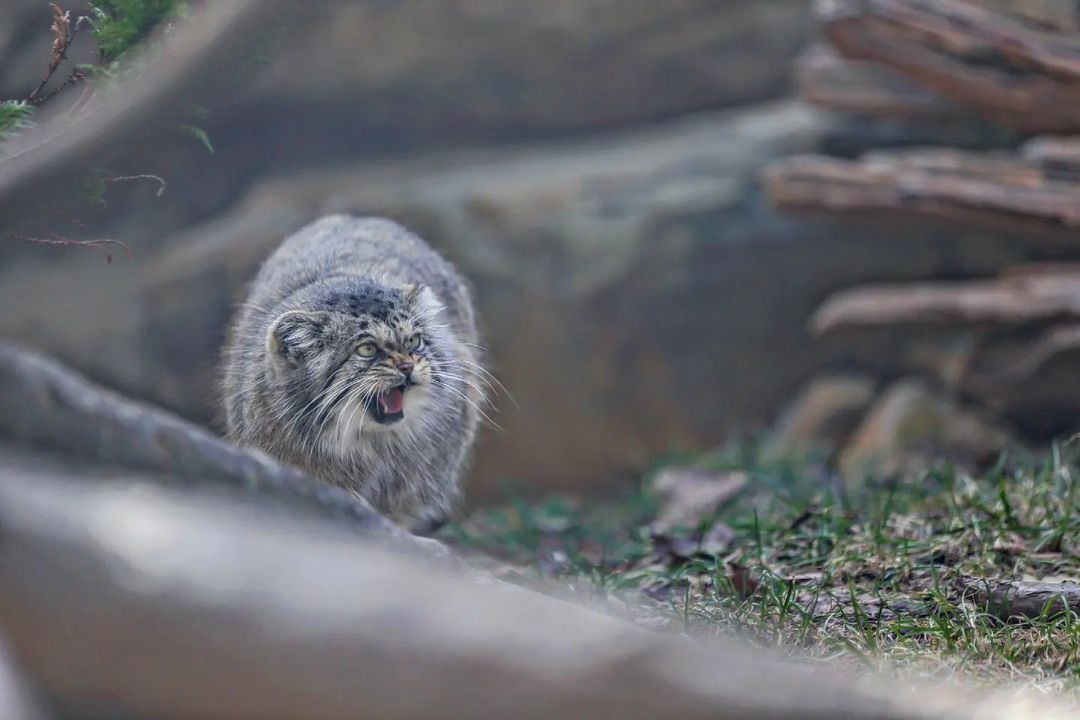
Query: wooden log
x=1006, y=303
x=134, y=601
x=1031, y=192
x=1021, y=76
x=1014, y=598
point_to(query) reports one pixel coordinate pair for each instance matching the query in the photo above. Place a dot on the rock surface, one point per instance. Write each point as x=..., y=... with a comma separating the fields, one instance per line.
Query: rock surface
x=429, y=75
x=635, y=294
x=338, y=82
x=74, y=423
x=16, y=700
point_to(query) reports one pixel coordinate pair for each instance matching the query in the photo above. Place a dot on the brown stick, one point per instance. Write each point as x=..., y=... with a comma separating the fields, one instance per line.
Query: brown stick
x=1012, y=598
x=64, y=33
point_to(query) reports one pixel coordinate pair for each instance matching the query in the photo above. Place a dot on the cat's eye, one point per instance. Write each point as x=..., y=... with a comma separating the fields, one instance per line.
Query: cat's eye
x=412, y=343
x=366, y=349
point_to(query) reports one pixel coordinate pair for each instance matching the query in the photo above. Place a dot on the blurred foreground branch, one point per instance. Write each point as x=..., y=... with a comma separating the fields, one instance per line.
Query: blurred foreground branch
x=41, y=159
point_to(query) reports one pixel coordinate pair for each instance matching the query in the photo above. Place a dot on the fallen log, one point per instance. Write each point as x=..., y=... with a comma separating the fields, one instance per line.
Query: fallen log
x=1024, y=77
x=1059, y=157
x=1029, y=357
x=1031, y=193
x=1014, y=598
x=1005, y=303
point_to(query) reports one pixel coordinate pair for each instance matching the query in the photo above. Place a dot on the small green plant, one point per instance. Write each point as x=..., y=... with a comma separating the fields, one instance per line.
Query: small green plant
x=120, y=25
x=14, y=116
x=117, y=27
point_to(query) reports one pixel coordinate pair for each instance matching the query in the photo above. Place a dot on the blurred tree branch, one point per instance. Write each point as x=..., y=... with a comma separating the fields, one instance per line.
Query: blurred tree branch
x=48, y=156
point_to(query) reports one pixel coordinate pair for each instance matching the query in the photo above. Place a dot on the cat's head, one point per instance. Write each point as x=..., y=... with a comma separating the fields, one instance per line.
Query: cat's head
x=356, y=358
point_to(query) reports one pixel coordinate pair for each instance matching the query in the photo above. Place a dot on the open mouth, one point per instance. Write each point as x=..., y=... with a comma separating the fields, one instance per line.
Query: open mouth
x=388, y=407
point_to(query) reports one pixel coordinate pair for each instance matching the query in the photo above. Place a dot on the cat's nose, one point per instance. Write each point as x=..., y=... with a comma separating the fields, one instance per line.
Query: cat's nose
x=406, y=367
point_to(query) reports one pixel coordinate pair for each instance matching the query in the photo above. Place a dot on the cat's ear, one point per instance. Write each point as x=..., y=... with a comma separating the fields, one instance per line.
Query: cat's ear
x=295, y=336
x=422, y=300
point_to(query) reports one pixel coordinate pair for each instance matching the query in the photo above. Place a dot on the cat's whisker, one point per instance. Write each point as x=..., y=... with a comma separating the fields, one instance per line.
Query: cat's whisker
x=465, y=381
x=480, y=371
x=469, y=400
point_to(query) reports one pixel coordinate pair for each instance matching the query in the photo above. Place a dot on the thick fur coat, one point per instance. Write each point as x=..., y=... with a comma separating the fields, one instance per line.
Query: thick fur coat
x=355, y=359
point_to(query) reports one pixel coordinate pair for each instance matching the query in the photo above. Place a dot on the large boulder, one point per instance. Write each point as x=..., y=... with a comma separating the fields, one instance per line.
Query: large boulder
x=635, y=292
x=438, y=72
x=24, y=46
x=53, y=421
x=351, y=81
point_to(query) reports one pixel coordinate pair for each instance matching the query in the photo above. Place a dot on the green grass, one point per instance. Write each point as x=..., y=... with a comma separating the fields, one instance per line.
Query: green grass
x=872, y=581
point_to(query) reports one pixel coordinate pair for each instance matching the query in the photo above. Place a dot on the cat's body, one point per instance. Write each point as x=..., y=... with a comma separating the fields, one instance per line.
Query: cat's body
x=354, y=358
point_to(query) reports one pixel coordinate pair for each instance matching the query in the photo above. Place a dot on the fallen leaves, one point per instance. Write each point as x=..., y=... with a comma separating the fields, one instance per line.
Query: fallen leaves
x=689, y=495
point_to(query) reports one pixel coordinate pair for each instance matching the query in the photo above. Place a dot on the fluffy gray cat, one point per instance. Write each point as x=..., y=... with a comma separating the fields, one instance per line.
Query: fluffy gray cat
x=355, y=358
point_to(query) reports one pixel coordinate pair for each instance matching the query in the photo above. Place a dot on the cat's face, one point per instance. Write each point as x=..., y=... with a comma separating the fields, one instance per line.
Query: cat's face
x=362, y=360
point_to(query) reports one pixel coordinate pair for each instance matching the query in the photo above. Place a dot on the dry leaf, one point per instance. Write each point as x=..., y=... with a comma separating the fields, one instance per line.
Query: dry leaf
x=690, y=494
x=61, y=30
x=742, y=580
